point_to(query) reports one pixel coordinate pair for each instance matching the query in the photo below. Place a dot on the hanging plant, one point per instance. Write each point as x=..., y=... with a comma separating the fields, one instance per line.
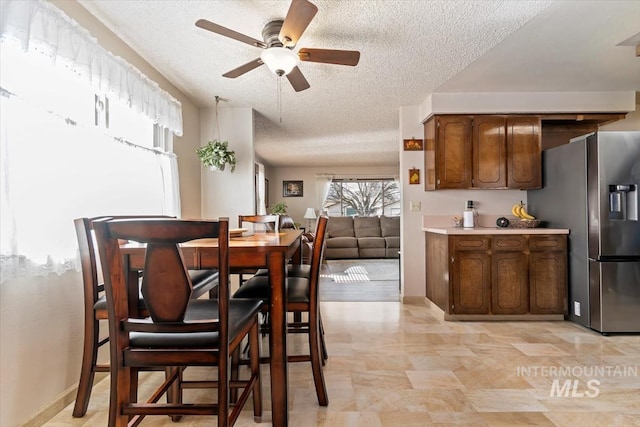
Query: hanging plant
x=216, y=155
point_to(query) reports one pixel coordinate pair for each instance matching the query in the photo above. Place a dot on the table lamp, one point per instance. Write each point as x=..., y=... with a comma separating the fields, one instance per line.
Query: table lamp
x=309, y=215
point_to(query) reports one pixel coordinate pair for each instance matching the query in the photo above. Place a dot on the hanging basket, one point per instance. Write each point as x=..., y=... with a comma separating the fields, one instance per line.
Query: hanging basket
x=216, y=155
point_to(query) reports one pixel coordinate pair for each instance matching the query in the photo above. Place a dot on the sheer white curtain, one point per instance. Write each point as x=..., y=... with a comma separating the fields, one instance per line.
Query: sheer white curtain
x=37, y=25
x=53, y=171
x=323, y=184
x=55, y=164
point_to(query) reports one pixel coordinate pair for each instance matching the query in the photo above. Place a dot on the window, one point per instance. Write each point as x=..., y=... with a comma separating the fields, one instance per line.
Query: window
x=58, y=165
x=363, y=197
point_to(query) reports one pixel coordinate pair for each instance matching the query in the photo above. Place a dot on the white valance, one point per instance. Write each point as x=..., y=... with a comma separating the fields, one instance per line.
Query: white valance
x=40, y=26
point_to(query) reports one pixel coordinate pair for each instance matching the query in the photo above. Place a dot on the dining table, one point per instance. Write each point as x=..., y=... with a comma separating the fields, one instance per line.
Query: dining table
x=268, y=249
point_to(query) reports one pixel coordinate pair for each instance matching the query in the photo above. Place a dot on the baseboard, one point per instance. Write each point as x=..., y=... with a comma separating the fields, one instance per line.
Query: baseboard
x=414, y=300
x=62, y=401
x=504, y=317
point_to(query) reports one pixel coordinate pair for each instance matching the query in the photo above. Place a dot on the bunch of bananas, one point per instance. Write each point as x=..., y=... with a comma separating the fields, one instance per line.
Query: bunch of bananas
x=519, y=211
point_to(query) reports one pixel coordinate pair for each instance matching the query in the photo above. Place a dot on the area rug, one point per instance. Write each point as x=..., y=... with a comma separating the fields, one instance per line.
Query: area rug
x=360, y=280
x=364, y=270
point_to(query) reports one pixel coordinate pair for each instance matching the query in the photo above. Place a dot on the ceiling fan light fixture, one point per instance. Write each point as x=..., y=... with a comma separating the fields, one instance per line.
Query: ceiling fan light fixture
x=280, y=60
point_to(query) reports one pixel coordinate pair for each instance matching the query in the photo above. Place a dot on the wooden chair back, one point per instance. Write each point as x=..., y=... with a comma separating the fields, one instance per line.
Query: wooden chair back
x=316, y=261
x=166, y=285
x=269, y=222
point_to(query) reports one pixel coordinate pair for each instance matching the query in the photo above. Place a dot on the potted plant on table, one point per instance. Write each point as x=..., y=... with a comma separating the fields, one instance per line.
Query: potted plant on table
x=216, y=155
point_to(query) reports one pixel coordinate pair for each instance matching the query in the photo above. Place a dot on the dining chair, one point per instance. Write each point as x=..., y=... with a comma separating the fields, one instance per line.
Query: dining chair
x=258, y=223
x=95, y=306
x=179, y=331
x=302, y=298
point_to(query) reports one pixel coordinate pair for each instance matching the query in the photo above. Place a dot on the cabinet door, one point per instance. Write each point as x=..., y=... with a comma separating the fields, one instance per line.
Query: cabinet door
x=471, y=282
x=524, y=158
x=548, y=282
x=509, y=283
x=489, y=152
x=453, y=152
x=430, y=154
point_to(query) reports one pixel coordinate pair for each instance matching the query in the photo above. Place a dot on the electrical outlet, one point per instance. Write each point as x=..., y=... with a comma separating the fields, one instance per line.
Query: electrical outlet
x=415, y=206
x=576, y=308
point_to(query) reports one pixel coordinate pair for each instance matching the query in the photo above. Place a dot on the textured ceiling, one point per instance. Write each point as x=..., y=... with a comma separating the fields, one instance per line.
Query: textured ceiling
x=409, y=49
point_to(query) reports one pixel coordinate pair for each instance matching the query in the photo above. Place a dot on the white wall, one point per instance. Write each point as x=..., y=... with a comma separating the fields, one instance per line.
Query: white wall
x=631, y=121
x=41, y=319
x=227, y=194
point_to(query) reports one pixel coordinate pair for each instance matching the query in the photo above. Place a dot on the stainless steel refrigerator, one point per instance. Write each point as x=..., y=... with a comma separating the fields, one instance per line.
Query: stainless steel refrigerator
x=592, y=187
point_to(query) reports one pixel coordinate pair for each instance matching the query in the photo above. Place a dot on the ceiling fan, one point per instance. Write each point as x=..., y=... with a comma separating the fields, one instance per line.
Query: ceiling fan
x=280, y=38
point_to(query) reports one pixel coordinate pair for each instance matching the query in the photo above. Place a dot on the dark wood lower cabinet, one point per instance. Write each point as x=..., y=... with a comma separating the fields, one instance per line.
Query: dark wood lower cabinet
x=471, y=283
x=497, y=274
x=547, y=281
x=509, y=283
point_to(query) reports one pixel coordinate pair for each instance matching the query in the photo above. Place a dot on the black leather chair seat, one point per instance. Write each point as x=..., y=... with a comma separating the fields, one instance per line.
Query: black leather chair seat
x=258, y=287
x=202, y=281
x=293, y=270
x=241, y=312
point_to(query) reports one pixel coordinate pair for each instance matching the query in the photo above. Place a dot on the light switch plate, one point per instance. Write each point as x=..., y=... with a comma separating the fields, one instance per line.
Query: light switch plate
x=415, y=206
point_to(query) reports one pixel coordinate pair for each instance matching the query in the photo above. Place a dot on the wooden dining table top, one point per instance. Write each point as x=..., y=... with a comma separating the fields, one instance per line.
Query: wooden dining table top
x=248, y=250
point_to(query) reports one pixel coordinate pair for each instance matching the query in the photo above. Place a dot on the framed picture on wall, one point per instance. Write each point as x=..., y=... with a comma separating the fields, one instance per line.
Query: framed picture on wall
x=413, y=144
x=291, y=188
x=266, y=193
x=414, y=176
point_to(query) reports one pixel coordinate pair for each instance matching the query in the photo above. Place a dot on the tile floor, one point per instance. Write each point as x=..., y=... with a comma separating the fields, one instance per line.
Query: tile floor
x=395, y=364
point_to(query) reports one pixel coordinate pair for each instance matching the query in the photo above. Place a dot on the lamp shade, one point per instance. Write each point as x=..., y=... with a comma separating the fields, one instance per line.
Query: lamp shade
x=280, y=60
x=310, y=214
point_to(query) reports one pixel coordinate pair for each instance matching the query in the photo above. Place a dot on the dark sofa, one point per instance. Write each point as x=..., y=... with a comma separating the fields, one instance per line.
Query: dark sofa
x=362, y=237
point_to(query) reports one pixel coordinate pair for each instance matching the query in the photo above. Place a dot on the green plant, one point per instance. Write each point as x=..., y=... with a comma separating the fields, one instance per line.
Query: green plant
x=217, y=155
x=279, y=208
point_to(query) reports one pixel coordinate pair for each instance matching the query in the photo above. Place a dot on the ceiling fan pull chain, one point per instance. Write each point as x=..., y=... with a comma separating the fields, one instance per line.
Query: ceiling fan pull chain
x=280, y=97
x=217, y=121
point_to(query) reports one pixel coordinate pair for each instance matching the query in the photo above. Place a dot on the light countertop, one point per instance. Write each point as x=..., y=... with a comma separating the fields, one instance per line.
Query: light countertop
x=456, y=231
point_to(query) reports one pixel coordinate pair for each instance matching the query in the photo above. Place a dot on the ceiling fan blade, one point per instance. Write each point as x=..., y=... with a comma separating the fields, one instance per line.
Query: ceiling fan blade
x=330, y=56
x=297, y=80
x=236, y=72
x=300, y=14
x=223, y=31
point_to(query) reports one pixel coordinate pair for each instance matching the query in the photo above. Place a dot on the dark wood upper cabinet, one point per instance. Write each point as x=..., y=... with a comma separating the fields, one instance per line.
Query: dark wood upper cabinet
x=453, y=169
x=489, y=152
x=474, y=152
x=524, y=152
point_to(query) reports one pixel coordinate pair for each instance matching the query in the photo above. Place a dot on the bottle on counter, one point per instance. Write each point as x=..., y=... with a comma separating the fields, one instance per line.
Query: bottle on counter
x=467, y=215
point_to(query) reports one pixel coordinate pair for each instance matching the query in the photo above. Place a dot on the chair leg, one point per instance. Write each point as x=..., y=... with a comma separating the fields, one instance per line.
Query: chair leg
x=120, y=395
x=254, y=357
x=316, y=364
x=323, y=344
x=174, y=394
x=87, y=371
x=235, y=369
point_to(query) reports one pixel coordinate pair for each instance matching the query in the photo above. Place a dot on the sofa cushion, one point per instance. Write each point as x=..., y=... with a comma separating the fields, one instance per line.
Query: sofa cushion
x=367, y=226
x=342, y=242
x=371, y=242
x=393, y=242
x=340, y=226
x=341, y=253
x=390, y=226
